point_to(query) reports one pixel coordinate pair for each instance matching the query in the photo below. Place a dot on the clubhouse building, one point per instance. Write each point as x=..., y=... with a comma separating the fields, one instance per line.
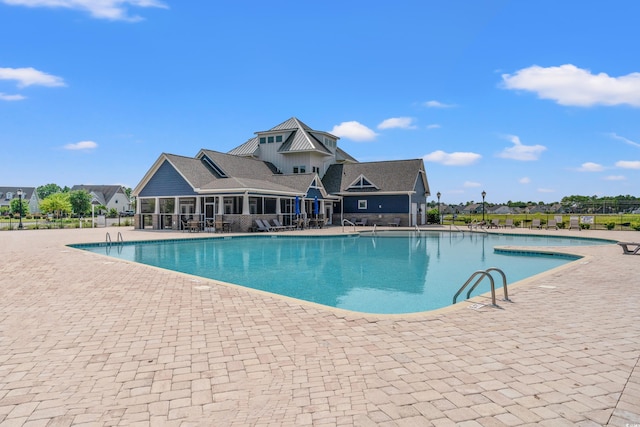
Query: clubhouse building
x=289, y=173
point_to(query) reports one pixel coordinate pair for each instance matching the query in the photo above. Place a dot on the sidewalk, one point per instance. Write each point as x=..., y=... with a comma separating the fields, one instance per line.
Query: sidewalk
x=95, y=341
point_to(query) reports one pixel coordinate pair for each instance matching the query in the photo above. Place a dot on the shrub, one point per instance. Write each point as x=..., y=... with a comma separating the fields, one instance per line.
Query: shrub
x=585, y=226
x=635, y=226
x=610, y=225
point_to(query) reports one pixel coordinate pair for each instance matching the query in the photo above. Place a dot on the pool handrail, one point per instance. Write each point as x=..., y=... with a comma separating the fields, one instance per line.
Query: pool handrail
x=348, y=222
x=483, y=274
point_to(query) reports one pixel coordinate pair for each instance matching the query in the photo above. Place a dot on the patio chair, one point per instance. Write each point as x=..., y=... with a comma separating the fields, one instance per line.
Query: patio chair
x=552, y=223
x=361, y=222
x=395, y=222
x=574, y=222
x=509, y=223
x=262, y=226
x=629, y=249
x=535, y=223
x=283, y=227
x=275, y=225
x=495, y=223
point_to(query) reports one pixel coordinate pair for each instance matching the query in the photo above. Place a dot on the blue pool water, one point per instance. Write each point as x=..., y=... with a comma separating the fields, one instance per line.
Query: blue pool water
x=373, y=274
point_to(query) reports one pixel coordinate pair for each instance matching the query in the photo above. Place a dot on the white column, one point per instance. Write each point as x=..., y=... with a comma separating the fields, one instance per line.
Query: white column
x=278, y=210
x=220, y=205
x=245, y=204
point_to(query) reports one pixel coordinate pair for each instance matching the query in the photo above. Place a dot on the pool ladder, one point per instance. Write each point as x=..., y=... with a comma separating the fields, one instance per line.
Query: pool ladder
x=485, y=273
x=119, y=239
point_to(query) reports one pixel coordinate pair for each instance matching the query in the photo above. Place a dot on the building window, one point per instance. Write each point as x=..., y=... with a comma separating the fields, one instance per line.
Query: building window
x=270, y=139
x=362, y=204
x=315, y=169
x=299, y=169
x=263, y=140
x=278, y=138
x=361, y=183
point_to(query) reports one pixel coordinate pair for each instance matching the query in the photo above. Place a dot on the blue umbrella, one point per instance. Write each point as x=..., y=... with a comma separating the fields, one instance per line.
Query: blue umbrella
x=315, y=205
x=297, y=205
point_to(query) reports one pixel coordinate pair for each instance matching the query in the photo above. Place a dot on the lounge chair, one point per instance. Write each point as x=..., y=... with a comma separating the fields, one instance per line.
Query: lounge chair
x=495, y=223
x=395, y=222
x=262, y=226
x=535, y=223
x=552, y=223
x=361, y=222
x=508, y=223
x=630, y=248
x=279, y=225
x=574, y=222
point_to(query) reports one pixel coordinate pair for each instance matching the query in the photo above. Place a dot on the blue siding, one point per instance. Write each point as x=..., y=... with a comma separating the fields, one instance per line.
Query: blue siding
x=167, y=182
x=419, y=196
x=312, y=192
x=377, y=204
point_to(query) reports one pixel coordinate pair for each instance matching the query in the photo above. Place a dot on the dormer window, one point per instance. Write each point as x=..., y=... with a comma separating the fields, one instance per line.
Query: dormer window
x=213, y=166
x=9, y=195
x=278, y=138
x=362, y=183
x=263, y=140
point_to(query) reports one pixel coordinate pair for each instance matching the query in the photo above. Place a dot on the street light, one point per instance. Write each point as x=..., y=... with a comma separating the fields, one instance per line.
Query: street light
x=439, y=217
x=484, y=193
x=19, y=193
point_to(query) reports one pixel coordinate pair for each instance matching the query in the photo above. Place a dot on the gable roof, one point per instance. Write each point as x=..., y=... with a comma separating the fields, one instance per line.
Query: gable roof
x=301, y=138
x=104, y=193
x=388, y=176
x=27, y=193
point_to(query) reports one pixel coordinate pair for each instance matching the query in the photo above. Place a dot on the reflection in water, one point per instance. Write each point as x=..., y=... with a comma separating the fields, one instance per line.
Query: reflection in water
x=377, y=274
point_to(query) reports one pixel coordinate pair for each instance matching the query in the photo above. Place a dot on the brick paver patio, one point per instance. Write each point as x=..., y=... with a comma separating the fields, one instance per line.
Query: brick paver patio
x=90, y=340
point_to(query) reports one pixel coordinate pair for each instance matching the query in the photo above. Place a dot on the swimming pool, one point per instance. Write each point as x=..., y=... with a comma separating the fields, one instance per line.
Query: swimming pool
x=381, y=273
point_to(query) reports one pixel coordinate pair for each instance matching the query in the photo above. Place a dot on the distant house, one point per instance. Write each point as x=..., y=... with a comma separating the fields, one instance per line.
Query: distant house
x=110, y=196
x=289, y=172
x=28, y=193
x=501, y=210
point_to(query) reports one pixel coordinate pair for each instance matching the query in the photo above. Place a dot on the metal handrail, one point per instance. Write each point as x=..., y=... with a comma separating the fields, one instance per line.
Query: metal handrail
x=504, y=283
x=108, y=239
x=374, y=228
x=348, y=222
x=119, y=238
x=417, y=229
x=483, y=274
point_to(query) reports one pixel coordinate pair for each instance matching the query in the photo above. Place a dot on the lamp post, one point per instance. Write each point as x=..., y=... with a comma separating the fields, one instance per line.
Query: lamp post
x=484, y=193
x=19, y=193
x=439, y=217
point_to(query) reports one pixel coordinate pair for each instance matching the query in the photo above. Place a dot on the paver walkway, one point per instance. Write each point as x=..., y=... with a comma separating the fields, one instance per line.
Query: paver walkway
x=90, y=340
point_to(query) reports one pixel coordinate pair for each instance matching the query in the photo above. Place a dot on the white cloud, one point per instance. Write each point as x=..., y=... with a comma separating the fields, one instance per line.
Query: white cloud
x=354, y=130
x=30, y=76
x=525, y=180
x=82, y=145
x=437, y=104
x=520, y=151
x=614, y=178
x=628, y=164
x=115, y=10
x=570, y=85
x=434, y=126
x=590, y=167
x=397, y=122
x=471, y=184
x=546, y=190
x=452, y=159
x=623, y=139
x=5, y=97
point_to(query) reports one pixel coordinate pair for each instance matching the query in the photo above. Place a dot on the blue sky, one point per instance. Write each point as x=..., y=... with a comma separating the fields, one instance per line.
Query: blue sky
x=528, y=101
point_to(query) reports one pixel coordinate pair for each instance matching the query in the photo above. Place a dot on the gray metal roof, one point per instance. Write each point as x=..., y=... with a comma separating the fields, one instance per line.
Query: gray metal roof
x=27, y=193
x=248, y=149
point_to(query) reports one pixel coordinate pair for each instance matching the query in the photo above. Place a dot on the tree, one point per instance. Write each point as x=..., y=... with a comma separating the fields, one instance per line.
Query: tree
x=45, y=191
x=57, y=204
x=15, y=207
x=80, y=202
